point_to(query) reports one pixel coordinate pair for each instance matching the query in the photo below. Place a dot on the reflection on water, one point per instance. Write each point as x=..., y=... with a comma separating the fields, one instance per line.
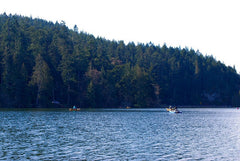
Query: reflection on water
x=196, y=134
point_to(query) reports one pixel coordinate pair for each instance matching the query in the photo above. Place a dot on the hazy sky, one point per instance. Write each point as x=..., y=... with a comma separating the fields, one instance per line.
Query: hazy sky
x=210, y=26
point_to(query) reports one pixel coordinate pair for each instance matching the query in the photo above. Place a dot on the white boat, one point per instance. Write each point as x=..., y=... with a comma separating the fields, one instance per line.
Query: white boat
x=173, y=110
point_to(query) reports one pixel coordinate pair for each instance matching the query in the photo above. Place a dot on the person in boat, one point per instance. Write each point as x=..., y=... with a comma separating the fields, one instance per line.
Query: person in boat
x=172, y=108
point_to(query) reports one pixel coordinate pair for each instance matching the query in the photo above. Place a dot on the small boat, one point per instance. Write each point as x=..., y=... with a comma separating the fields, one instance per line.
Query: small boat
x=173, y=110
x=74, y=109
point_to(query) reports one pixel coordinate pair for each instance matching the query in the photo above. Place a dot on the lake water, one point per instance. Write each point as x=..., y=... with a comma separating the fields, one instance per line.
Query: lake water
x=143, y=134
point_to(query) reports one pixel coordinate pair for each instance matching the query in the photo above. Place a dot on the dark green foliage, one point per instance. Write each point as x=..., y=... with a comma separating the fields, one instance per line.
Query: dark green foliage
x=42, y=62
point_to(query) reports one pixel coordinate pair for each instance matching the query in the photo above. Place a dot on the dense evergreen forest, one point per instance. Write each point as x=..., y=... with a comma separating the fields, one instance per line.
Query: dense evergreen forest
x=45, y=64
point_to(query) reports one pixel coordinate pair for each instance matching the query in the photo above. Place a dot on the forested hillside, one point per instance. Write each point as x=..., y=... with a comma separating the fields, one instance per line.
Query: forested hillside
x=45, y=64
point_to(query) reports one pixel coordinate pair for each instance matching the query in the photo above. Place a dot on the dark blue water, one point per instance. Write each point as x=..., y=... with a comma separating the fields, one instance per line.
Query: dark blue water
x=195, y=134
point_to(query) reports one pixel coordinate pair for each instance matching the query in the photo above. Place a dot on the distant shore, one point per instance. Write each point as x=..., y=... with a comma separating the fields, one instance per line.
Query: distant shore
x=65, y=108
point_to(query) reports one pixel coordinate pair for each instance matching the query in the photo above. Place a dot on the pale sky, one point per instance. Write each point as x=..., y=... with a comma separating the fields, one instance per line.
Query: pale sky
x=210, y=26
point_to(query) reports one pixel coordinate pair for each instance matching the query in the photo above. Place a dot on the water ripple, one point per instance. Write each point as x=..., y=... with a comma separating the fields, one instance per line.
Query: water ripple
x=120, y=135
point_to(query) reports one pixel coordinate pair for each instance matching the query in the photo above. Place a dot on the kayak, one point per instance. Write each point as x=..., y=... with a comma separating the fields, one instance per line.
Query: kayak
x=74, y=109
x=173, y=110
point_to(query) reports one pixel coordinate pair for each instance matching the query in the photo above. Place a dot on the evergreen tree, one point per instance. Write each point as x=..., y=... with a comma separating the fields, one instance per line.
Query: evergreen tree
x=41, y=62
x=43, y=81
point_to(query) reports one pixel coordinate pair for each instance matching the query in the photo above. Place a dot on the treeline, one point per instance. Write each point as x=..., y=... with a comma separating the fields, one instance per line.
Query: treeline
x=45, y=64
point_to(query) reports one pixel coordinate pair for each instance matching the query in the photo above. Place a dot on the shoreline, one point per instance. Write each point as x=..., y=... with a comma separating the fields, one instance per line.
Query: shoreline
x=92, y=109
